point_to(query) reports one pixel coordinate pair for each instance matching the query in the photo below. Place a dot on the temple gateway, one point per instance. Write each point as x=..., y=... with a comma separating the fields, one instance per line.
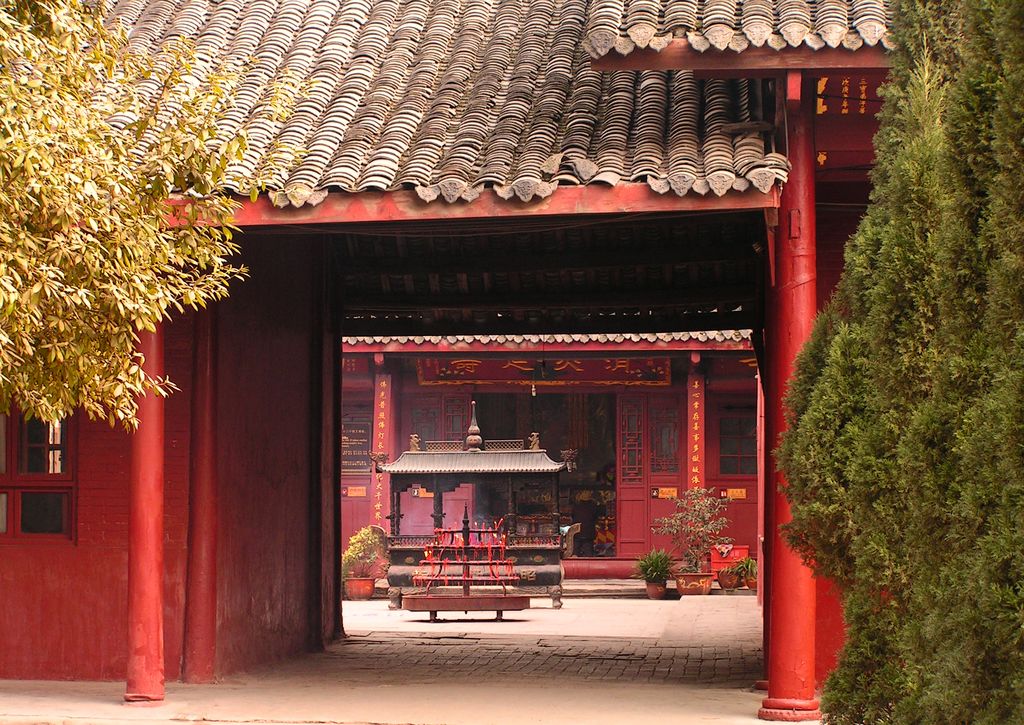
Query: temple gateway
x=608, y=223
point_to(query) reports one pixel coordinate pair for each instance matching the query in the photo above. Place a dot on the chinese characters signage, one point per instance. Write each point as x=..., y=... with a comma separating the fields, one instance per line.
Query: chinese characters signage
x=381, y=406
x=355, y=446
x=356, y=365
x=549, y=371
x=846, y=95
x=695, y=430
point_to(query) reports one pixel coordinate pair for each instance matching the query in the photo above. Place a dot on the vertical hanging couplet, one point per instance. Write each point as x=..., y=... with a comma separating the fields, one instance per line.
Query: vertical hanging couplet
x=145, y=676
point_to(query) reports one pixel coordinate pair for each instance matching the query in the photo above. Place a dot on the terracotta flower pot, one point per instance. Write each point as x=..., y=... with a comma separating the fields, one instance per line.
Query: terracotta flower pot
x=694, y=583
x=359, y=588
x=728, y=579
x=656, y=590
x=751, y=582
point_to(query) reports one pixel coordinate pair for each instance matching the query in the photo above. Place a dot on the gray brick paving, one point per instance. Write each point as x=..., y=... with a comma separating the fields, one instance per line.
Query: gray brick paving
x=419, y=658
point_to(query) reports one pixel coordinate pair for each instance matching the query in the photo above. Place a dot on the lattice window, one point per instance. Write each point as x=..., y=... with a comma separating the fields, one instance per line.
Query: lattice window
x=737, y=440
x=425, y=419
x=631, y=432
x=456, y=418
x=664, y=425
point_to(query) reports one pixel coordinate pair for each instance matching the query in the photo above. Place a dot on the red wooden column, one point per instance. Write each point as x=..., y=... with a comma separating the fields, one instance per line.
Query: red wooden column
x=791, y=671
x=145, y=680
x=201, y=582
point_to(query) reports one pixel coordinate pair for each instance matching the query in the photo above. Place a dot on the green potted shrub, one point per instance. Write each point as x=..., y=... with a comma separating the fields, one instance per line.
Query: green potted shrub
x=694, y=527
x=655, y=568
x=364, y=561
x=746, y=570
x=729, y=579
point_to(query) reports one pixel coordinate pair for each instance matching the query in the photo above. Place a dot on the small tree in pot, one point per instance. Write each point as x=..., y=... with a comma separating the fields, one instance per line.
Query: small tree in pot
x=694, y=527
x=364, y=561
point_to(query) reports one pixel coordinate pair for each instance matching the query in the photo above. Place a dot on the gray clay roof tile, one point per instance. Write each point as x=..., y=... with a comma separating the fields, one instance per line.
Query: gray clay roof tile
x=527, y=461
x=447, y=98
x=624, y=25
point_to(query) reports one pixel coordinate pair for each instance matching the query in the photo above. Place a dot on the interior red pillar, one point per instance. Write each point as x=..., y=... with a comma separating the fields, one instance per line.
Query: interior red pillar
x=791, y=663
x=201, y=583
x=145, y=679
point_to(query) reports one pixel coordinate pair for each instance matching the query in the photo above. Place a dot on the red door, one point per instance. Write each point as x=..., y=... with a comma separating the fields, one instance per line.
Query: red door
x=631, y=527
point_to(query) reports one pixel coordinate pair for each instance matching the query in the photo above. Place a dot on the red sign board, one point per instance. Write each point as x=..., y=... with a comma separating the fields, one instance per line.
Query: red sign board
x=531, y=371
x=356, y=365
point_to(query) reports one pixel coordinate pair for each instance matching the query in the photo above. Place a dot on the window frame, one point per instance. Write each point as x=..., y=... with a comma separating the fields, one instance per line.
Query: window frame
x=733, y=409
x=15, y=484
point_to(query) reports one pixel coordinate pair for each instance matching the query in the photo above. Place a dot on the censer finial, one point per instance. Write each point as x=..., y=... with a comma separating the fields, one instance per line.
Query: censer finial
x=474, y=440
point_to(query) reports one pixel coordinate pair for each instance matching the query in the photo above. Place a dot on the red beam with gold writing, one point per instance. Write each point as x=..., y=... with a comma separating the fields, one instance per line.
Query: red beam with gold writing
x=555, y=371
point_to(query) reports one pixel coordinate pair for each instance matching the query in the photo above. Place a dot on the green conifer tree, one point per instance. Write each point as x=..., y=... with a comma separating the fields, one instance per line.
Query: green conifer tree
x=905, y=451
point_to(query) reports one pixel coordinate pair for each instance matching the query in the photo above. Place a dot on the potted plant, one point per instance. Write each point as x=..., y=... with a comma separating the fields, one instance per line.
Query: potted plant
x=728, y=579
x=694, y=527
x=746, y=570
x=364, y=561
x=655, y=567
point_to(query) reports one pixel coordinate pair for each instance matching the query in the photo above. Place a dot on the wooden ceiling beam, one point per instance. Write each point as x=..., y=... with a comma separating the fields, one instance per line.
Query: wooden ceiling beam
x=719, y=295
x=692, y=322
x=582, y=260
x=752, y=62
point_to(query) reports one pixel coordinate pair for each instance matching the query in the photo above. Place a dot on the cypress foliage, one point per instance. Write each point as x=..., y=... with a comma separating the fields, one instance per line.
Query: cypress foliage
x=905, y=449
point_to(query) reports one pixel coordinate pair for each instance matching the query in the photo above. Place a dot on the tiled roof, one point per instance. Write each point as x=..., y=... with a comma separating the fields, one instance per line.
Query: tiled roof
x=735, y=24
x=528, y=461
x=448, y=98
x=626, y=338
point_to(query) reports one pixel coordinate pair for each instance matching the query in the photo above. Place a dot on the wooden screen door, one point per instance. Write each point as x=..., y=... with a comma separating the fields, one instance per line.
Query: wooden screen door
x=631, y=494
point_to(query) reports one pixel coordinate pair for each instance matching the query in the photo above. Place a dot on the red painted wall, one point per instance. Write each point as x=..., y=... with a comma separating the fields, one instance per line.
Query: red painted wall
x=839, y=213
x=267, y=574
x=64, y=605
x=830, y=633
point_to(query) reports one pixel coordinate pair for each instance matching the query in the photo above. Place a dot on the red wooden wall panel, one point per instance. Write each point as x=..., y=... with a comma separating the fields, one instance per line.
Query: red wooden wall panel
x=65, y=604
x=265, y=562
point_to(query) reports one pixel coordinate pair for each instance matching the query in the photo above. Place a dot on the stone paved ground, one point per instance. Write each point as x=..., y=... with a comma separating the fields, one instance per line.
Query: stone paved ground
x=713, y=640
x=468, y=658
x=596, y=661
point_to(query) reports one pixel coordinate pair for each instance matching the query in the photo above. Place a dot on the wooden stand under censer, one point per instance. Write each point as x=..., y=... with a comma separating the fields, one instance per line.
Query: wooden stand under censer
x=492, y=567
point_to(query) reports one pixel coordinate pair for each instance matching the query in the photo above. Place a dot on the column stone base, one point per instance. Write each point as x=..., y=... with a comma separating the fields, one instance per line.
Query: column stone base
x=780, y=709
